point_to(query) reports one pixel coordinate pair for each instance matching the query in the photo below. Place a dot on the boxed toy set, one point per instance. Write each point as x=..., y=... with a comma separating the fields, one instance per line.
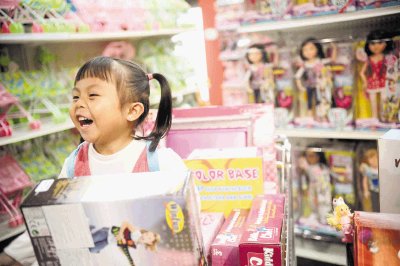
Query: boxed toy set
x=114, y=220
x=225, y=248
x=376, y=239
x=210, y=223
x=262, y=242
x=227, y=178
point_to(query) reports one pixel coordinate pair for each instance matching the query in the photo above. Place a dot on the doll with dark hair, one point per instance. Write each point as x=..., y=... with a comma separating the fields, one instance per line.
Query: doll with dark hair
x=309, y=77
x=260, y=74
x=374, y=73
x=316, y=186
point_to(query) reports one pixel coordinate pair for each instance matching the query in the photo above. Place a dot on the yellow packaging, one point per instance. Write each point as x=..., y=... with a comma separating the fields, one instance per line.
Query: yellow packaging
x=227, y=182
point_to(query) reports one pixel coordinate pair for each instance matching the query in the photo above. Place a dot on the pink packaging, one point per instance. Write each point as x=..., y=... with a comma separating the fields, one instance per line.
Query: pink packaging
x=261, y=242
x=210, y=223
x=224, y=249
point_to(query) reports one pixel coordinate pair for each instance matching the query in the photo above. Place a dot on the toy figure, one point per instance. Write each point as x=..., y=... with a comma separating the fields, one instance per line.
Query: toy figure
x=313, y=77
x=126, y=236
x=342, y=219
x=317, y=186
x=260, y=74
x=374, y=72
x=370, y=177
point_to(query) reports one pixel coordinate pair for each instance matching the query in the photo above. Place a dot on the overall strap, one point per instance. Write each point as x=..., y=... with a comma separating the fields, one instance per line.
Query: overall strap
x=152, y=159
x=71, y=161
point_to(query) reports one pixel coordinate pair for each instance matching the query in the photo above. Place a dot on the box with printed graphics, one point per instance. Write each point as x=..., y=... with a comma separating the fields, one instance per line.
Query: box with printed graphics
x=115, y=220
x=227, y=178
x=261, y=242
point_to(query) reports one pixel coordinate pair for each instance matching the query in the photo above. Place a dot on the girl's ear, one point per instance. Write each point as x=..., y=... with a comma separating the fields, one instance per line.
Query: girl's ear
x=134, y=111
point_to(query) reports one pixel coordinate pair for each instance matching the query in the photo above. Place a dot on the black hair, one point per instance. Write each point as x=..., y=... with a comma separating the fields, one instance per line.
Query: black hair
x=320, y=50
x=377, y=35
x=262, y=50
x=133, y=85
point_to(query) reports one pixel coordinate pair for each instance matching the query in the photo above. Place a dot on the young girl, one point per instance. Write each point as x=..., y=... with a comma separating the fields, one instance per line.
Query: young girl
x=110, y=102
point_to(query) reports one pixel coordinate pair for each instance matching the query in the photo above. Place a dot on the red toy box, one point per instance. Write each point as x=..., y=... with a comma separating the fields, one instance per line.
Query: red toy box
x=261, y=242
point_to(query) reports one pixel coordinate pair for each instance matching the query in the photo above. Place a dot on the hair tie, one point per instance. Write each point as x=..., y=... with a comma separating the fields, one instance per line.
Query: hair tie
x=149, y=76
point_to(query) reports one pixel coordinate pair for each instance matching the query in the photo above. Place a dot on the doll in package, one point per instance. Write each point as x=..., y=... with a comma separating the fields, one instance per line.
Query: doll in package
x=315, y=84
x=379, y=88
x=260, y=74
x=284, y=99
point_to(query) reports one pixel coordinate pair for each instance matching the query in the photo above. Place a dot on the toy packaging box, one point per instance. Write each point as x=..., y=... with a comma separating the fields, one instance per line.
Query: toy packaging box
x=115, y=220
x=227, y=178
x=376, y=239
x=262, y=242
x=210, y=223
x=322, y=171
x=225, y=248
x=389, y=171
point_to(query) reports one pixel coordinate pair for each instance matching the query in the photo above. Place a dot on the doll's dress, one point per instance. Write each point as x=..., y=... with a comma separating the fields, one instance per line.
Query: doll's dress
x=373, y=178
x=377, y=80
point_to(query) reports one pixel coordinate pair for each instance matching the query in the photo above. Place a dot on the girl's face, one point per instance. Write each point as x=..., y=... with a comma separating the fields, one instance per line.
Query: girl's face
x=255, y=55
x=309, y=51
x=98, y=116
x=377, y=47
x=312, y=157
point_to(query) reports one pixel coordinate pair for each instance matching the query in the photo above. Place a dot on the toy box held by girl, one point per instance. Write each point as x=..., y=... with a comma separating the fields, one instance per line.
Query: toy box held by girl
x=114, y=220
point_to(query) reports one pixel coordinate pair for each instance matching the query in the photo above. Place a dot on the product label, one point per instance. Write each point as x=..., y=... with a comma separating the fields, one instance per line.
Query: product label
x=174, y=217
x=225, y=184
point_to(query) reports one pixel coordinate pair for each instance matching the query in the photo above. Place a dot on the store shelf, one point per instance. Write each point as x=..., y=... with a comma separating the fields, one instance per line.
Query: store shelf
x=8, y=232
x=48, y=127
x=84, y=37
x=298, y=23
x=330, y=134
x=321, y=251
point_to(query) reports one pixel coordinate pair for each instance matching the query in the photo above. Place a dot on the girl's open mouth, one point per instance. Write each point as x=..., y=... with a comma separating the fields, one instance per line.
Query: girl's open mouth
x=83, y=121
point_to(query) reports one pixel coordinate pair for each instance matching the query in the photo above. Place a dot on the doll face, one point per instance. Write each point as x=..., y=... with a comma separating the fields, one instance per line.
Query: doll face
x=373, y=161
x=344, y=210
x=148, y=238
x=255, y=55
x=309, y=51
x=312, y=157
x=377, y=47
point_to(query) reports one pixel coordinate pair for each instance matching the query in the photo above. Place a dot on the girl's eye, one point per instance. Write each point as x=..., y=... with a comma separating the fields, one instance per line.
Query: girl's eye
x=93, y=95
x=75, y=98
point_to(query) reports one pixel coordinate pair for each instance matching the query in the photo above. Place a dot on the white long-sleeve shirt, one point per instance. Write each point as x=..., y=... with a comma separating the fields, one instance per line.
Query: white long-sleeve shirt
x=122, y=161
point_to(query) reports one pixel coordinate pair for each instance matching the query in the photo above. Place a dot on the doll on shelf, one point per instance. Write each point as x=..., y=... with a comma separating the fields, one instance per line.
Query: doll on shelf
x=316, y=186
x=313, y=76
x=260, y=74
x=374, y=72
x=342, y=219
x=370, y=178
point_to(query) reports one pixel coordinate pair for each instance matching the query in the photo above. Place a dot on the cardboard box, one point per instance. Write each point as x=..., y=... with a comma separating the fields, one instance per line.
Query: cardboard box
x=115, y=220
x=376, y=239
x=261, y=242
x=225, y=248
x=211, y=223
x=389, y=171
x=227, y=178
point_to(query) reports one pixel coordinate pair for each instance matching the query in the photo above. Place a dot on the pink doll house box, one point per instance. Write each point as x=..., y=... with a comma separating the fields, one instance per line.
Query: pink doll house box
x=84, y=222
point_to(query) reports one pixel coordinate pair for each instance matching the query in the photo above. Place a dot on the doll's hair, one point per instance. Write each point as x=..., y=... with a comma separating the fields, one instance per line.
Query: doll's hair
x=369, y=154
x=133, y=85
x=320, y=50
x=153, y=245
x=377, y=35
x=334, y=220
x=320, y=154
x=260, y=47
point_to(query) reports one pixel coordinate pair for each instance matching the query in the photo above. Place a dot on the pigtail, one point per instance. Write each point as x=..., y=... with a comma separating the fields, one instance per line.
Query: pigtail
x=164, y=113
